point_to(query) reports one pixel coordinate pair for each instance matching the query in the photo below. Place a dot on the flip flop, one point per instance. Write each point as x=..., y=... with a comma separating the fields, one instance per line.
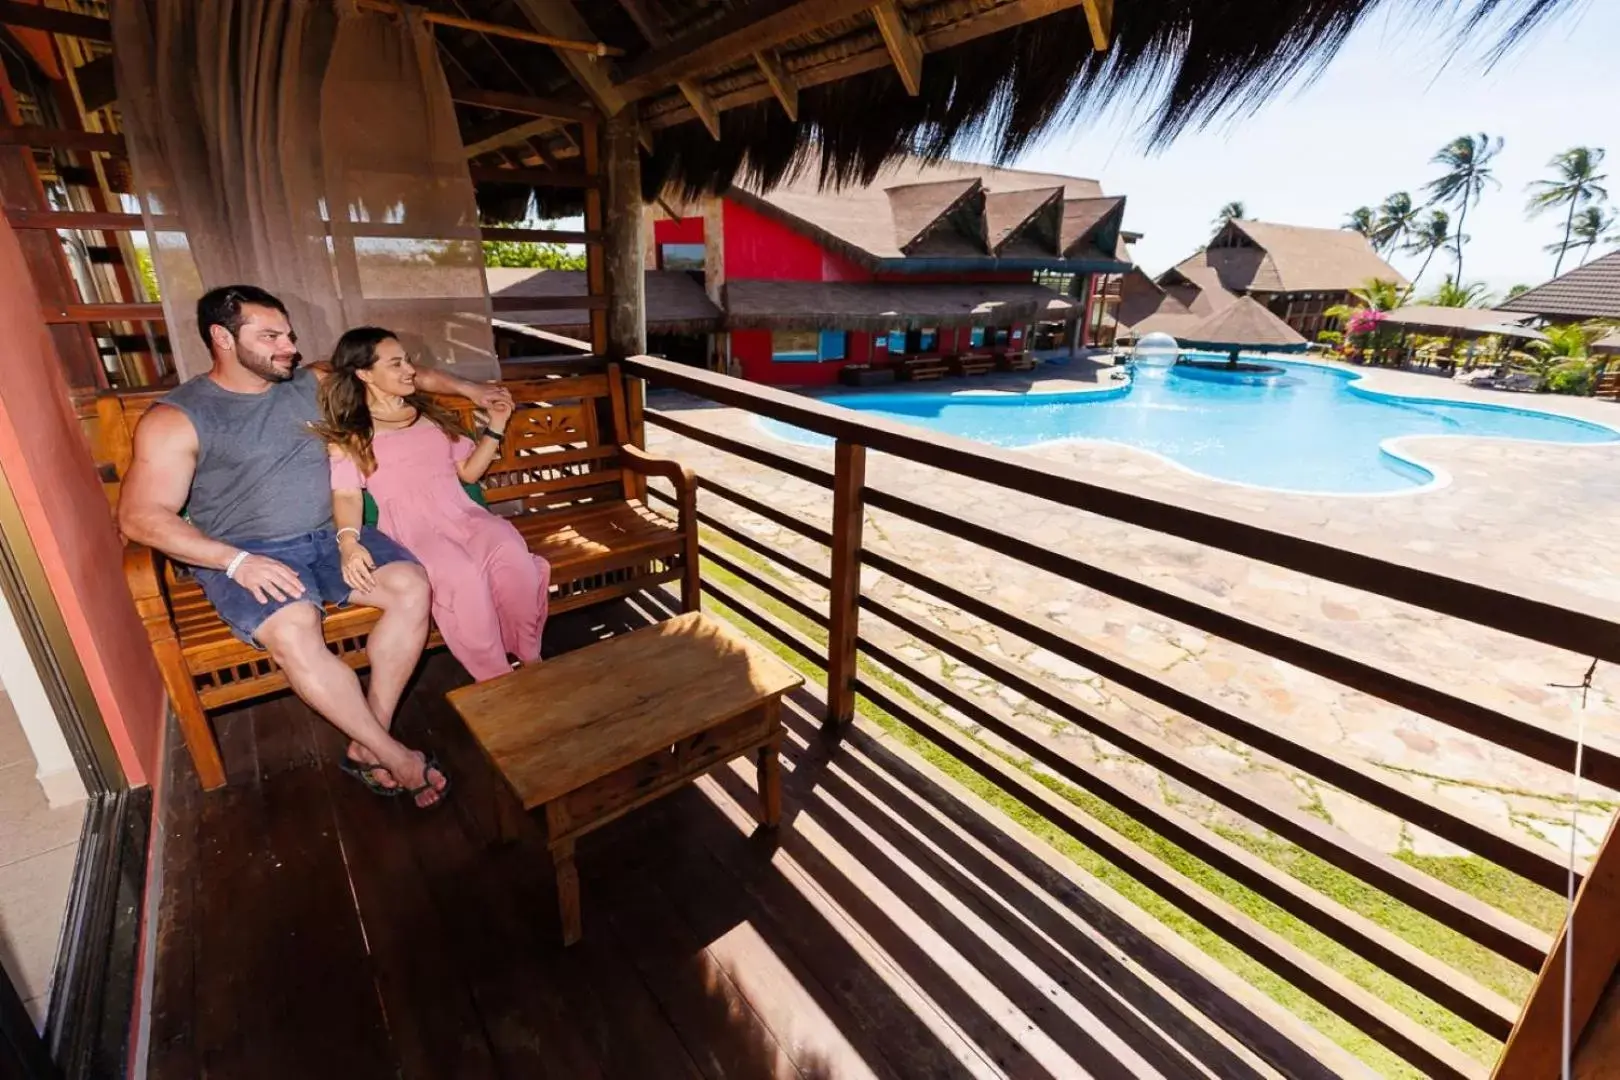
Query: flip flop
x=366, y=774
x=431, y=765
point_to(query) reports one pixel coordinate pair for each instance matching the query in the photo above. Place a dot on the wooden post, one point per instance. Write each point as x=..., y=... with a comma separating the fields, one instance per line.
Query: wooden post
x=848, y=518
x=596, y=278
x=622, y=246
x=1534, y=1050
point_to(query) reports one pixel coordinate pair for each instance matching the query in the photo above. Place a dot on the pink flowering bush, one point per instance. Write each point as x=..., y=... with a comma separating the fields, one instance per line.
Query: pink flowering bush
x=1364, y=321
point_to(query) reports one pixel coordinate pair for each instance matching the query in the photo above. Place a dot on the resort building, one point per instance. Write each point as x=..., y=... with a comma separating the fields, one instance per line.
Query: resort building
x=1591, y=291
x=928, y=269
x=1297, y=272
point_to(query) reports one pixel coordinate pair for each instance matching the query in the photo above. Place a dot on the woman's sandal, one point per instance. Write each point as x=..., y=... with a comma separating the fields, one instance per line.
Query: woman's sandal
x=367, y=775
x=430, y=765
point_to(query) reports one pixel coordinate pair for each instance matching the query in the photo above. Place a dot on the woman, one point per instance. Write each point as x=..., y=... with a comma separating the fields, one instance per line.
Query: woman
x=489, y=593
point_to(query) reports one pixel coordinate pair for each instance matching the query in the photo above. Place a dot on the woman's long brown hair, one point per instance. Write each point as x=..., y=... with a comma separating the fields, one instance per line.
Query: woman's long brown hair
x=346, y=416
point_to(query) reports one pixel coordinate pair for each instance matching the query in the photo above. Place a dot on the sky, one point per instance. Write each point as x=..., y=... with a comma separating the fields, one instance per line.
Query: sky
x=1368, y=127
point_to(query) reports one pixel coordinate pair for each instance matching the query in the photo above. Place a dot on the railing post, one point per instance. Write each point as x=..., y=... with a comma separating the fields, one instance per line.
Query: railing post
x=843, y=611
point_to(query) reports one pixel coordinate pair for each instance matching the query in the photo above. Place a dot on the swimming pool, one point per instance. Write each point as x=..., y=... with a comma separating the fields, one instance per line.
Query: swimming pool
x=1309, y=428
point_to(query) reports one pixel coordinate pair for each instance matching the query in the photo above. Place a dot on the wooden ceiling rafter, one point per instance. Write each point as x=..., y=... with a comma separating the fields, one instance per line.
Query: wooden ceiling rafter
x=931, y=40
x=781, y=82
x=561, y=18
x=583, y=44
x=904, y=49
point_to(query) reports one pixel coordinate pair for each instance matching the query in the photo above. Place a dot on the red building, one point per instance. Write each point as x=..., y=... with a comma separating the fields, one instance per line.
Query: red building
x=929, y=269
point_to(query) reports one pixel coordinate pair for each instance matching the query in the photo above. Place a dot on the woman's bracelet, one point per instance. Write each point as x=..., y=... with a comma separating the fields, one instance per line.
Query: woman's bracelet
x=235, y=564
x=347, y=529
x=498, y=436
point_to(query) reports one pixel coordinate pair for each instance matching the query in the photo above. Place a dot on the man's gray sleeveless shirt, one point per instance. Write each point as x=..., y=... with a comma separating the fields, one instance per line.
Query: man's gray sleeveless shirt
x=261, y=473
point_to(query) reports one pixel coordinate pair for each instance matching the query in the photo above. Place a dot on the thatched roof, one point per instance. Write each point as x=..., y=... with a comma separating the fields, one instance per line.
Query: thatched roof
x=676, y=303
x=1264, y=257
x=1586, y=292
x=1244, y=324
x=1459, y=322
x=829, y=305
x=1176, y=303
x=955, y=210
x=1607, y=345
x=994, y=77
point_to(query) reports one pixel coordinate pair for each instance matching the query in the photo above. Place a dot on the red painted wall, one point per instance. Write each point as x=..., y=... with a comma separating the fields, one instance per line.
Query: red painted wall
x=46, y=458
x=678, y=231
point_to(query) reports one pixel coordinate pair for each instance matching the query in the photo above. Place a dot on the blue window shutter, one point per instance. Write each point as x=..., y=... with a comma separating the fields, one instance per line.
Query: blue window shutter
x=832, y=345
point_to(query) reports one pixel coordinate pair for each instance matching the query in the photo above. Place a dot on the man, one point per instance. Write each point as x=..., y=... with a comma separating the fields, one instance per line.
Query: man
x=234, y=450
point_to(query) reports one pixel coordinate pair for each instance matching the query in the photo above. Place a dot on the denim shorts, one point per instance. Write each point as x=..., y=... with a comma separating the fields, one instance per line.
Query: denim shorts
x=313, y=557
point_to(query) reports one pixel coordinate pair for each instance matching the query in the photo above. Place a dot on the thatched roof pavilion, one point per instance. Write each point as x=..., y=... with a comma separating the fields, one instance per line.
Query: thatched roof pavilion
x=1245, y=324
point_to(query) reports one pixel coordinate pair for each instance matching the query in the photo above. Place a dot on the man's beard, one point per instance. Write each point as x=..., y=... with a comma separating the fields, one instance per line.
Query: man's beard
x=265, y=367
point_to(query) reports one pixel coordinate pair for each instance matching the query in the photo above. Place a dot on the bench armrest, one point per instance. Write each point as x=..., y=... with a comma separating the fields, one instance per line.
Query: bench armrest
x=684, y=481
x=638, y=460
x=144, y=575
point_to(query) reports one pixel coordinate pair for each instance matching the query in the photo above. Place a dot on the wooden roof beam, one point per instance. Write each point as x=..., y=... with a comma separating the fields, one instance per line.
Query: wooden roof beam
x=701, y=104
x=944, y=37
x=562, y=19
x=904, y=49
x=523, y=104
x=748, y=28
x=1100, y=18
x=781, y=82
x=483, y=143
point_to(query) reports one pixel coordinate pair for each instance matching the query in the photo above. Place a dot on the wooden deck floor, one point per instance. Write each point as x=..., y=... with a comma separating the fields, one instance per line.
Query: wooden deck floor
x=900, y=929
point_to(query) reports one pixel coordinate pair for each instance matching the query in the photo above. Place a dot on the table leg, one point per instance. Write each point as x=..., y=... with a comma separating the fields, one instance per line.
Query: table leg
x=770, y=784
x=562, y=857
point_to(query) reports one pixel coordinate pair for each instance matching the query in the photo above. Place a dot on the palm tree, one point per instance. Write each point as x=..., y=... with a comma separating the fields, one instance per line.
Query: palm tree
x=1467, y=160
x=1232, y=211
x=1517, y=290
x=1576, y=182
x=1364, y=220
x=1426, y=239
x=1591, y=227
x=1452, y=294
x=1397, y=218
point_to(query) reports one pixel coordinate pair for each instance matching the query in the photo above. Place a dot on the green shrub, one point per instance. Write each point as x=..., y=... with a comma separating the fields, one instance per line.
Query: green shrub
x=1570, y=377
x=1330, y=337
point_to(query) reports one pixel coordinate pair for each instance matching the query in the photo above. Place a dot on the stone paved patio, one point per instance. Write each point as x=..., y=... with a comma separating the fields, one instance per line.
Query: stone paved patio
x=1523, y=511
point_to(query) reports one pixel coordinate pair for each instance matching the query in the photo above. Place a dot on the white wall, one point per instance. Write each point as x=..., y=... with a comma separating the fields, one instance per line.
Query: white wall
x=56, y=772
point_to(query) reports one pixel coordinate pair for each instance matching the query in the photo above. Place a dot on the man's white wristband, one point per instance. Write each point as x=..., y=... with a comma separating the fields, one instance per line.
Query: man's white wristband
x=236, y=564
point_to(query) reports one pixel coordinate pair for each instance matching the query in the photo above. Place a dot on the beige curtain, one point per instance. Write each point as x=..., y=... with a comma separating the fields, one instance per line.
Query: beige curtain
x=311, y=149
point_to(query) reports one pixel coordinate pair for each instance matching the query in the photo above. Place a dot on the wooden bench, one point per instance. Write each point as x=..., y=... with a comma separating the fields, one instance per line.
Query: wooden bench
x=591, y=735
x=920, y=368
x=972, y=364
x=568, y=476
x=1015, y=361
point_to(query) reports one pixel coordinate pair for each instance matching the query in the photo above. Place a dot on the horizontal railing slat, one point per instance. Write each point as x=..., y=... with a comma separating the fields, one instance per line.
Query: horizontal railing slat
x=770, y=589
x=1377, y=1018
x=1536, y=861
x=782, y=632
x=769, y=513
x=1480, y=1006
x=1467, y=915
x=756, y=454
x=1528, y=738
x=1562, y=618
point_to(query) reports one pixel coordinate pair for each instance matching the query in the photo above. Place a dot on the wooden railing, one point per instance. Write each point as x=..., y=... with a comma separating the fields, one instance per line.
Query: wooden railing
x=1564, y=620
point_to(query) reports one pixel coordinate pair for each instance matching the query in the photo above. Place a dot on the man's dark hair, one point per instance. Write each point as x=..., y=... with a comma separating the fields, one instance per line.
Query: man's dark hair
x=223, y=307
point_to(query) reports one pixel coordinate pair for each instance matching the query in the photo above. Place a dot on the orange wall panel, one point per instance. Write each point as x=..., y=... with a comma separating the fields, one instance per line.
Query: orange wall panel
x=46, y=457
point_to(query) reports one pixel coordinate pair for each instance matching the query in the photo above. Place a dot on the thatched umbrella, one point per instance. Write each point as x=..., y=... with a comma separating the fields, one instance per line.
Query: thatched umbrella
x=1243, y=325
x=1607, y=346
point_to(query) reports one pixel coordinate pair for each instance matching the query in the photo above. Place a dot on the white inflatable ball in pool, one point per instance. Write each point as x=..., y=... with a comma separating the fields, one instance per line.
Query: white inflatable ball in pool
x=1156, y=349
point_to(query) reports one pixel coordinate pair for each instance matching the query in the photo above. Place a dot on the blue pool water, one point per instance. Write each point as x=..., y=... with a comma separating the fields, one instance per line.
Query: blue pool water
x=1308, y=429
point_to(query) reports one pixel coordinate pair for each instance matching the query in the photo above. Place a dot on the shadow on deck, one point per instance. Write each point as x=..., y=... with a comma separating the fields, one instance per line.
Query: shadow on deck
x=901, y=928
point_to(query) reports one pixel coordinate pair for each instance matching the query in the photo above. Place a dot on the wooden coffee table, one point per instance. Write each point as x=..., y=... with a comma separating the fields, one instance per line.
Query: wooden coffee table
x=597, y=732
